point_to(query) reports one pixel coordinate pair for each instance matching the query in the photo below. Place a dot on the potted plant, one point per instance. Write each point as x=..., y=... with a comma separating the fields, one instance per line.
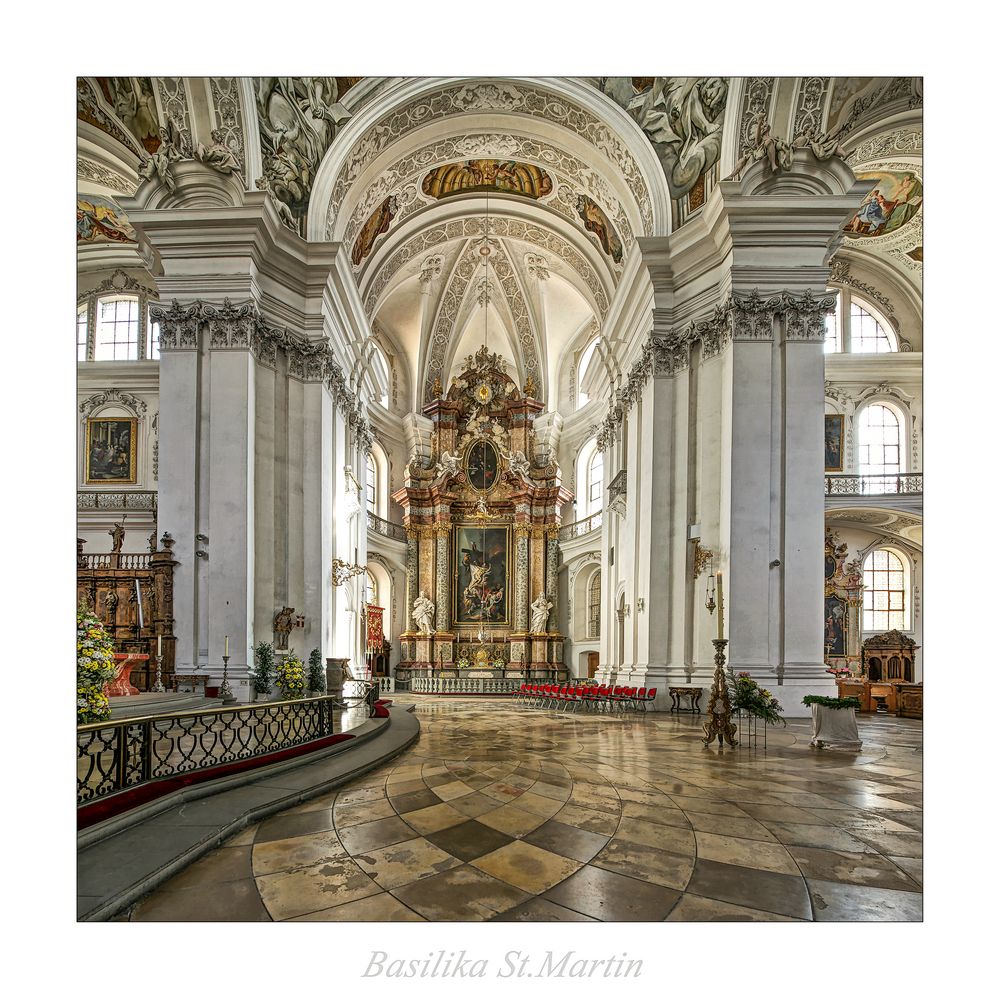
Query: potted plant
x=317, y=674
x=263, y=673
x=290, y=677
x=757, y=702
x=95, y=666
x=834, y=721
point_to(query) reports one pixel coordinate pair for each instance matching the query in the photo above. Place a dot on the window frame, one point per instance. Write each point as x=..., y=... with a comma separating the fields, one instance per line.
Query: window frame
x=905, y=591
x=91, y=303
x=843, y=324
x=902, y=421
x=594, y=605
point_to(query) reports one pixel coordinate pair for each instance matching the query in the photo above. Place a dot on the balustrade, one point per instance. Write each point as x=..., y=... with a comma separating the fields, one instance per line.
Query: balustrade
x=123, y=499
x=580, y=527
x=386, y=527
x=462, y=685
x=910, y=483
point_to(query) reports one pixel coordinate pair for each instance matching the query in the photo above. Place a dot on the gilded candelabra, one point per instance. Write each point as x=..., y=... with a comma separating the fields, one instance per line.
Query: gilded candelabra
x=225, y=691
x=158, y=687
x=720, y=721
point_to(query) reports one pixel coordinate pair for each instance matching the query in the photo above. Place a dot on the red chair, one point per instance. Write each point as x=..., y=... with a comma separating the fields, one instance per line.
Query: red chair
x=650, y=696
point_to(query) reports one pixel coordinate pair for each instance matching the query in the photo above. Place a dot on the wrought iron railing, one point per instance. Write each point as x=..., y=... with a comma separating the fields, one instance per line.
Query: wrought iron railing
x=910, y=484
x=114, y=756
x=580, y=527
x=386, y=527
x=122, y=499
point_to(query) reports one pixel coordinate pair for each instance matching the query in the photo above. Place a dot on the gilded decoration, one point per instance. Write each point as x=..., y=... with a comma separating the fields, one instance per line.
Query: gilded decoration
x=841, y=606
x=501, y=176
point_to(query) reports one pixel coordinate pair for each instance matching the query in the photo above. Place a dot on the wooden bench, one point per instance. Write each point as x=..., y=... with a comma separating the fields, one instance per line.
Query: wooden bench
x=694, y=693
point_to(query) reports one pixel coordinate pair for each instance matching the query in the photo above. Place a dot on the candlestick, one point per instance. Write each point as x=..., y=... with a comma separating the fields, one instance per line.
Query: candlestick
x=718, y=586
x=227, y=645
x=159, y=646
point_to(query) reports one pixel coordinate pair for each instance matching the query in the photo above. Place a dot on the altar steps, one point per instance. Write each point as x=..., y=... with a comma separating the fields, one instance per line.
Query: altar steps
x=160, y=704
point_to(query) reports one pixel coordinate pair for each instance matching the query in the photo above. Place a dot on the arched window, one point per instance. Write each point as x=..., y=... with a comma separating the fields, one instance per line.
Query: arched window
x=585, y=358
x=868, y=334
x=371, y=486
x=594, y=606
x=371, y=589
x=880, y=450
x=885, y=593
x=81, y=333
x=595, y=483
x=117, y=329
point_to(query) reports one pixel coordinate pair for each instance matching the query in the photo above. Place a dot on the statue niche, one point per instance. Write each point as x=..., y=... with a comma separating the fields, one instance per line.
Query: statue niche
x=482, y=524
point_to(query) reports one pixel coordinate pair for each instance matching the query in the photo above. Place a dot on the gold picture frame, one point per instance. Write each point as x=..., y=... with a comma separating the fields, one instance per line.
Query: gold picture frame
x=834, y=442
x=110, y=451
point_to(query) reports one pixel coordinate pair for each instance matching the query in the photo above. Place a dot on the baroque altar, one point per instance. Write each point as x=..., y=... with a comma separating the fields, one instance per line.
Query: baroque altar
x=841, y=607
x=482, y=552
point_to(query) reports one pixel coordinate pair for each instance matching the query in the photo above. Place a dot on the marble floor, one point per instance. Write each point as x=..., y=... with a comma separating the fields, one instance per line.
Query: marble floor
x=507, y=813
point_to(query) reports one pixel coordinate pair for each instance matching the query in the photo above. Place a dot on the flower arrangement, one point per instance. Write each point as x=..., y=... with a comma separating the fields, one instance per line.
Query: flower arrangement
x=263, y=673
x=839, y=671
x=837, y=703
x=95, y=666
x=291, y=677
x=317, y=678
x=463, y=663
x=746, y=695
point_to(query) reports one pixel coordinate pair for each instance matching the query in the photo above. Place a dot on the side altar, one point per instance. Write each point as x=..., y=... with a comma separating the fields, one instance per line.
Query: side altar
x=482, y=550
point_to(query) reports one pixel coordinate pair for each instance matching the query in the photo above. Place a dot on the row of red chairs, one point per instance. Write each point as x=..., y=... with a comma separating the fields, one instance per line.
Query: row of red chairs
x=593, y=698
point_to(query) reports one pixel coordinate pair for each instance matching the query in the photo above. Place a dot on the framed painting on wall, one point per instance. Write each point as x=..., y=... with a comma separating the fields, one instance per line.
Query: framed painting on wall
x=110, y=451
x=481, y=591
x=834, y=442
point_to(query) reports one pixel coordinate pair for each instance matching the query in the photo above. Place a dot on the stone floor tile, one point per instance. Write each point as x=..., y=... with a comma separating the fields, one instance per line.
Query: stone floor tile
x=541, y=910
x=456, y=789
x=709, y=805
x=671, y=870
x=783, y=894
x=911, y=866
x=227, y=902
x=244, y=838
x=366, y=811
x=784, y=813
x=604, y=823
x=613, y=897
x=225, y=864
x=665, y=814
x=469, y=840
x=461, y=894
x=834, y=902
x=512, y=820
x=730, y=825
x=428, y=820
x=375, y=835
x=851, y=868
x=745, y=853
x=310, y=889
x=279, y=855
x=538, y=804
x=405, y=787
x=402, y=863
x=474, y=804
x=696, y=909
x=353, y=796
x=660, y=837
x=414, y=800
x=569, y=841
x=381, y=908
x=285, y=826
x=549, y=790
x=822, y=837
x=527, y=867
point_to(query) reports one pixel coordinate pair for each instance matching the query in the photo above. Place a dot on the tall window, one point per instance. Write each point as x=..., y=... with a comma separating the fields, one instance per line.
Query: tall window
x=594, y=606
x=832, y=343
x=371, y=589
x=868, y=335
x=880, y=451
x=885, y=591
x=588, y=355
x=81, y=334
x=117, y=329
x=595, y=483
x=371, y=486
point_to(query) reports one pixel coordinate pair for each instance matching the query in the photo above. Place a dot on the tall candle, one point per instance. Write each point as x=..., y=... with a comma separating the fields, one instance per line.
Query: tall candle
x=227, y=645
x=718, y=586
x=159, y=645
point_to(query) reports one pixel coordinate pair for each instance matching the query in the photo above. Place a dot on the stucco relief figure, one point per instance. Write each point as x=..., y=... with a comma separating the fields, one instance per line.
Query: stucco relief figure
x=823, y=146
x=540, y=608
x=519, y=464
x=423, y=614
x=595, y=221
x=448, y=464
x=218, y=156
x=772, y=149
x=283, y=627
x=171, y=149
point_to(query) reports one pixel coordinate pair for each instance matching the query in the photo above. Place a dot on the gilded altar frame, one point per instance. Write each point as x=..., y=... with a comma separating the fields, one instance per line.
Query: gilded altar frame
x=478, y=531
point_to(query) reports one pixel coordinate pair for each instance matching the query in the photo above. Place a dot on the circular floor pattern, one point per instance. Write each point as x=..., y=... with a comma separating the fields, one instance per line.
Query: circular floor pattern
x=504, y=812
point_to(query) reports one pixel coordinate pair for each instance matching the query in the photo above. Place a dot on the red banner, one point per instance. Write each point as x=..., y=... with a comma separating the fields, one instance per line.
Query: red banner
x=375, y=638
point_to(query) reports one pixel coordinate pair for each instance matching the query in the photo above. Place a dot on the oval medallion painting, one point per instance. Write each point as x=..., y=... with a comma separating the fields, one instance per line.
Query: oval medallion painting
x=482, y=463
x=888, y=206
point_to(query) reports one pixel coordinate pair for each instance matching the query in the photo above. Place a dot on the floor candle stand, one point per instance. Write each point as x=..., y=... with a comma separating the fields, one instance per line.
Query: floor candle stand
x=225, y=691
x=720, y=716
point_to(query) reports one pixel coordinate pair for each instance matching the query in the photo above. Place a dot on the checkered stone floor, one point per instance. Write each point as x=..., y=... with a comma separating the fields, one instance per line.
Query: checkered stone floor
x=501, y=812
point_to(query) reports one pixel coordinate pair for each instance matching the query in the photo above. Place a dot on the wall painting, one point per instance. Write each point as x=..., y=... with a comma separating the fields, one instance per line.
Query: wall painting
x=834, y=424
x=482, y=587
x=110, y=451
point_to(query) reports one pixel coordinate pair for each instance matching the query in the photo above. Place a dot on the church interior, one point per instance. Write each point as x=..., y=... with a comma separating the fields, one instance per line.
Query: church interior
x=499, y=498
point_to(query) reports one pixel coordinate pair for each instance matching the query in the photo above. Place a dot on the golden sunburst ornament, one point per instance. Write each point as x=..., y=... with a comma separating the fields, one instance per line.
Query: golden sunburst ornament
x=484, y=393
